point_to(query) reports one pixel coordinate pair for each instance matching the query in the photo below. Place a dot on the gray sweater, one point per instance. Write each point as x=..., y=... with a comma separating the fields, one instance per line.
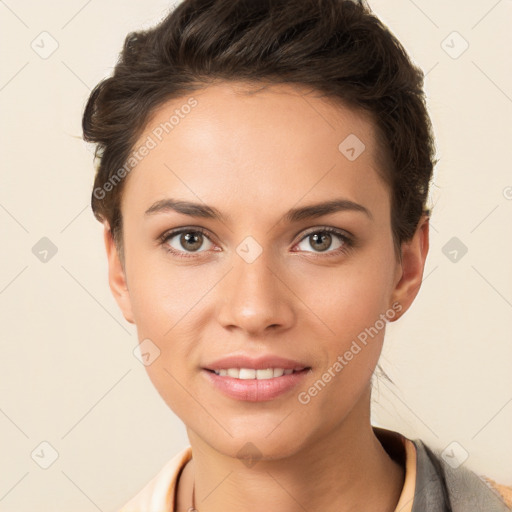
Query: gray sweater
x=440, y=488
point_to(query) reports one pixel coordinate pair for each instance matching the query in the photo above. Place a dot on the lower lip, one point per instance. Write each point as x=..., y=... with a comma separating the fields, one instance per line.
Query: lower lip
x=255, y=390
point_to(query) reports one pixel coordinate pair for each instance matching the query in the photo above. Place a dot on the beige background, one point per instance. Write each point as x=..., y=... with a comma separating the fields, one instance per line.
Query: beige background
x=68, y=375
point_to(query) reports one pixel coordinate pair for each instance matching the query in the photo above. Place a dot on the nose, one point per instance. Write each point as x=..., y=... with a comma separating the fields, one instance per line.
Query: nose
x=254, y=297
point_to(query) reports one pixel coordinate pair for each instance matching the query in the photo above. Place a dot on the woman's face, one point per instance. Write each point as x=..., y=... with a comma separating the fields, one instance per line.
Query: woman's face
x=259, y=281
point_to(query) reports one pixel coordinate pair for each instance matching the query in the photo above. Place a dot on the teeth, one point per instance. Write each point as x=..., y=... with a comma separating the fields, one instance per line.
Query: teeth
x=251, y=373
x=262, y=374
x=245, y=373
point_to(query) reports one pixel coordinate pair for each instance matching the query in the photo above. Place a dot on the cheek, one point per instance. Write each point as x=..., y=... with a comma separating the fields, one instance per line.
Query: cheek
x=161, y=293
x=164, y=312
x=346, y=299
x=352, y=305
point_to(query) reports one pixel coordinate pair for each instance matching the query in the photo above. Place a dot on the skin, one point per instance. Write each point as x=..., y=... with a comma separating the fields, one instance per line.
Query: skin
x=254, y=157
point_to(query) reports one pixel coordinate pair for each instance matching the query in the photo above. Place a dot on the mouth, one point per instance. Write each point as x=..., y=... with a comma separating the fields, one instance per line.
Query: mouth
x=255, y=384
x=257, y=374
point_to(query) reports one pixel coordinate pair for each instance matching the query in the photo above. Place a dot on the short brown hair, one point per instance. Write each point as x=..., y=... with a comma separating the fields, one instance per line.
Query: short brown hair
x=337, y=47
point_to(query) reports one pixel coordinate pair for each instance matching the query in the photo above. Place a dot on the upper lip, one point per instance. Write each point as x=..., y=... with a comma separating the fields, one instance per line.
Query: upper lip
x=258, y=363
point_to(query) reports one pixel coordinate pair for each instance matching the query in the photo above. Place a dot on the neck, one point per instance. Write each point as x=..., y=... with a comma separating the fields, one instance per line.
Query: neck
x=344, y=471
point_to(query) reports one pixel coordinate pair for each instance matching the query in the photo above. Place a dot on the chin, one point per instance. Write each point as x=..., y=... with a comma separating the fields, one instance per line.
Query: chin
x=263, y=442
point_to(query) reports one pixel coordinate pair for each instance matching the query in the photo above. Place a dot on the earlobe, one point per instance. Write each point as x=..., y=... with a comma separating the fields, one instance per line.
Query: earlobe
x=414, y=254
x=116, y=275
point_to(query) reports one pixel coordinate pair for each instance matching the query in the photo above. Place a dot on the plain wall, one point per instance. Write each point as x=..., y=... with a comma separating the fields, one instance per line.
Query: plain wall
x=68, y=375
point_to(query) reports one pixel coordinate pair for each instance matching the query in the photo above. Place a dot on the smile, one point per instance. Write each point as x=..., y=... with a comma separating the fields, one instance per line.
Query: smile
x=251, y=373
x=255, y=385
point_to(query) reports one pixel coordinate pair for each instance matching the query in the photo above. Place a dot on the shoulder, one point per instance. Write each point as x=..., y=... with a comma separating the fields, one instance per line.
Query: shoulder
x=158, y=493
x=464, y=490
x=505, y=491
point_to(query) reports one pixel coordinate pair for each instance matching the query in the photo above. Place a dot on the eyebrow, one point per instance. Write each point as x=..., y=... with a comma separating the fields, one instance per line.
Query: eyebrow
x=291, y=216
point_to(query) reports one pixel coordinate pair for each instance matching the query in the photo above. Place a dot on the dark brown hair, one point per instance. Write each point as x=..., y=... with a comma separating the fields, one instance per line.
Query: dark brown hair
x=336, y=47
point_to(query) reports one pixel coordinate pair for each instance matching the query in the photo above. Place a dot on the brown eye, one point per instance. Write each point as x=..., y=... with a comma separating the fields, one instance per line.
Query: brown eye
x=323, y=239
x=320, y=241
x=191, y=241
x=185, y=241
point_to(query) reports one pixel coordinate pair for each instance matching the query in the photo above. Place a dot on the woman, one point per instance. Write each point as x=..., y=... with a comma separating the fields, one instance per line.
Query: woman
x=263, y=175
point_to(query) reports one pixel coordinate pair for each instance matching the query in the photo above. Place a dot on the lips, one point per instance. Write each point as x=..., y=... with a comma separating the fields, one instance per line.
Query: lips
x=255, y=390
x=261, y=362
x=246, y=378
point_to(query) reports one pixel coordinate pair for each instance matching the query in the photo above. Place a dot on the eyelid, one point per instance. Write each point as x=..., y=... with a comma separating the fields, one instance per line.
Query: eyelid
x=329, y=229
x=171, y=233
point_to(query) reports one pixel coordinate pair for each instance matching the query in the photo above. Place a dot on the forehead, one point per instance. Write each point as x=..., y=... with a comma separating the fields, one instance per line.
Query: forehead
x=240, y=141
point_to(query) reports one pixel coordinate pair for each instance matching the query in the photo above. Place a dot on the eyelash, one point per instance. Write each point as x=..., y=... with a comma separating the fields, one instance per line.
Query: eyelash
x=348, y=242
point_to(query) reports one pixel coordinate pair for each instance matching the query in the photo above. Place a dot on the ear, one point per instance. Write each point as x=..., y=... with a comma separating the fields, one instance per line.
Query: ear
x=116, y=275
x=410, y=271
